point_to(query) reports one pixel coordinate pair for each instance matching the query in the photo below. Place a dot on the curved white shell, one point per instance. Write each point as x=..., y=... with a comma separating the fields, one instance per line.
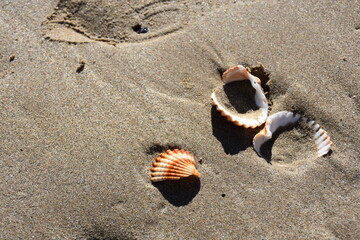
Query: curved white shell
x=322, y=140
x=173, y=165
x=239, y=73
x=280, y=119
x=284, y=118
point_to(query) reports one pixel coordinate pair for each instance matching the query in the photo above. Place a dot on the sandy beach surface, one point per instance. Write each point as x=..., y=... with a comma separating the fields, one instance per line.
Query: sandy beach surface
x=91, y=91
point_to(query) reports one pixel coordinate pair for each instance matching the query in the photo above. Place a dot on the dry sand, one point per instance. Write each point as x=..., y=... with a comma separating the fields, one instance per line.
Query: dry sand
x=86, y=103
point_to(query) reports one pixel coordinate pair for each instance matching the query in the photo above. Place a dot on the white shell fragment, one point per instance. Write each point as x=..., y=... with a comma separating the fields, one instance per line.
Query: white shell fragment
x=275, y=121
x=283, y=119
x=322, y=140
x=247, y=120
x=173, y=165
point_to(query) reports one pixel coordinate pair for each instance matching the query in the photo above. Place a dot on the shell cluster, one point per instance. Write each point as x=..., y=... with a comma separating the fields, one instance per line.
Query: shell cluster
x=173, y=165
x=176, y=164
x=273, y=122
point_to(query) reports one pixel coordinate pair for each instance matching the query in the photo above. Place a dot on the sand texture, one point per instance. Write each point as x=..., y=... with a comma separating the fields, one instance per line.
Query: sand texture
x=91, y=91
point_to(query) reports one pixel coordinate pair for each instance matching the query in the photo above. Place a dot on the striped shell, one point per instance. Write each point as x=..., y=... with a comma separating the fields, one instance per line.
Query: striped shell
x=173, y=165
x=249, y=119
x=284, y=118
x=322, y=140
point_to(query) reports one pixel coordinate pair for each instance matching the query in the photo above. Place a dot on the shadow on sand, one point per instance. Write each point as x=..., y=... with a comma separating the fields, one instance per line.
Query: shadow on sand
x=234, y=139
x=179, y=192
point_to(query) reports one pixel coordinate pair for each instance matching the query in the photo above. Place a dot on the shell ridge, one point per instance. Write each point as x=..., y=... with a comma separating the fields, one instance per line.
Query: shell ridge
x=162, y=170
x=158, y=179
x=169, y=168
x=173, y=168
x=321, y=138
x=157, y=174
x=166, y=165
x=173, y=162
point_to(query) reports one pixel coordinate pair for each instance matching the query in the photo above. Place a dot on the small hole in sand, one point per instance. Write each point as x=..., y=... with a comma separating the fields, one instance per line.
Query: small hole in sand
x=137, y=28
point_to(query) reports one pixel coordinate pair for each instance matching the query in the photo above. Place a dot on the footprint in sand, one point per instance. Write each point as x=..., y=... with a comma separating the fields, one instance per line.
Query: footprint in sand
x=116, y=21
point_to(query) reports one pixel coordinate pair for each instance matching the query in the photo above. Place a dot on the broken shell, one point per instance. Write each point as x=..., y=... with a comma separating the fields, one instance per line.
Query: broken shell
x=275, y=121
x=250, y=119
x=283, y=119
x=173, y=165
x=322, y=140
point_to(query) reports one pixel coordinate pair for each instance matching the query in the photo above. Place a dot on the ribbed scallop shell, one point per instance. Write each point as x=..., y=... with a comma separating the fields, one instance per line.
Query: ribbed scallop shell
x=284, y=118
x=247, y=120
x=173, y=165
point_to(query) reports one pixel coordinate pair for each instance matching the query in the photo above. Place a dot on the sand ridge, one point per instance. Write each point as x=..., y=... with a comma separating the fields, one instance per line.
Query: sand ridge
x=116, y=22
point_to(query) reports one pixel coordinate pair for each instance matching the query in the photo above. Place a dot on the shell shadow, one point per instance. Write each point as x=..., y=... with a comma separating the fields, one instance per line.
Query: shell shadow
x=266, y=149
x=179, y=192
x=234, y=139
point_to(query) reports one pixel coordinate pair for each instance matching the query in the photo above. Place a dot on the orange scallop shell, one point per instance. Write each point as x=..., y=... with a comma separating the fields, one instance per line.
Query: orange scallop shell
x=173, y=165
